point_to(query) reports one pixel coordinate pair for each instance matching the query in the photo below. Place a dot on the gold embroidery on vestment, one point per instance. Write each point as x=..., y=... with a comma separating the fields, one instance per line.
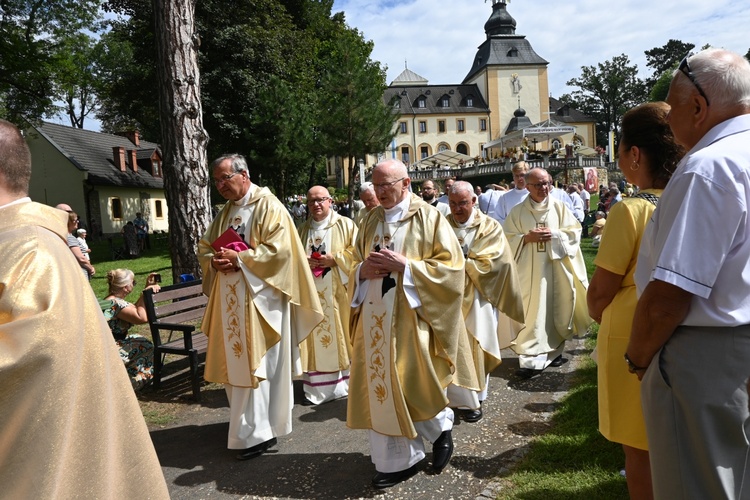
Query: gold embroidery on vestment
x=233, y=327
x=377, y=360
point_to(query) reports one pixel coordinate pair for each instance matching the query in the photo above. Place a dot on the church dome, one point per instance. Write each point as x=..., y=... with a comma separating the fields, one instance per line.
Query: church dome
x=500, y=21
x=519, y=113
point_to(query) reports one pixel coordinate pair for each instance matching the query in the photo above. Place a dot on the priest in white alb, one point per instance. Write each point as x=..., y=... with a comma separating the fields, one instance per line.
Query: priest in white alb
x=545, y=236
x=492, y=307
x=406, y=286
x=262, y=305
x=328, y=239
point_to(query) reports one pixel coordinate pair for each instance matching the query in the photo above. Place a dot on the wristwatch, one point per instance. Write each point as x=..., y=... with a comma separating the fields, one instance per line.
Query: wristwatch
x=632, y=367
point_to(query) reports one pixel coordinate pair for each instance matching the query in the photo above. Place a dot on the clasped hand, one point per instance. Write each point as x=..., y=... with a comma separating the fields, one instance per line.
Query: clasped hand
x=538, y=234
x=226, y=261
x=380, y=263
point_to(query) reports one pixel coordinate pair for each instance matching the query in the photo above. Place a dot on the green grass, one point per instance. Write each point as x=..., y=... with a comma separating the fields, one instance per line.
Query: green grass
x=154, y=260
x=572, y=460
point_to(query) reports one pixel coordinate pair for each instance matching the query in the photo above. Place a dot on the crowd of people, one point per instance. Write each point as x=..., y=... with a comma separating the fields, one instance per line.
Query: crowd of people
x=405, y=306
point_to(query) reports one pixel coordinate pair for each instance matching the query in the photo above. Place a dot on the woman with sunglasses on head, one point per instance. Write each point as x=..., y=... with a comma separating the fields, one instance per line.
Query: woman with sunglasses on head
x=648, y=155
x=136, y=351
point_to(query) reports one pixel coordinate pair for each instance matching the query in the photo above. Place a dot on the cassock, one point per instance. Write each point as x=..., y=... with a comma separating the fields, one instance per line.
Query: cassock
x=406, y=328
x=553, y=279
x=325, y=352
x=257, y=317
x=70, y=424
x=492, y=304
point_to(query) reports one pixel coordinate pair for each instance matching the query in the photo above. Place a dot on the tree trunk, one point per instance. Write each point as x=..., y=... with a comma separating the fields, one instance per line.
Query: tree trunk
x=183, y=136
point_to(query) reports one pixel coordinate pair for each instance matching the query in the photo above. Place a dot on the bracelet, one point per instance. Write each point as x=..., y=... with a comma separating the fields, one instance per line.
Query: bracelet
x=632, y=367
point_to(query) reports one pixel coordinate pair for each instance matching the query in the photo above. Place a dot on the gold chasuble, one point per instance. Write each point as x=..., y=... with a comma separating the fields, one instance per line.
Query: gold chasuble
x=491, y=280
x=247, y=311
x=552, y=275
x=326, y=349
x=404, y=358
x=70, y=424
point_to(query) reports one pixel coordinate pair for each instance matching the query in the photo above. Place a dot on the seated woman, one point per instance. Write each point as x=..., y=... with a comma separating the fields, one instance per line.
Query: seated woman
x=136, y=351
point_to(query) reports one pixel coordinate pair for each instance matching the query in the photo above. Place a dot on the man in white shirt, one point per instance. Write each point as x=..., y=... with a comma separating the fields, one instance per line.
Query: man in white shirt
x=509, y=199
x=690, y=342
x=577, y=202
x=585, y=196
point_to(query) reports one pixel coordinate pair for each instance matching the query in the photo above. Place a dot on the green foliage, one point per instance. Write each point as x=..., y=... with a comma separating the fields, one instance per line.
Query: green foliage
x=606, y=92
x=660, y=88
x=32, y=36
x=662, y=59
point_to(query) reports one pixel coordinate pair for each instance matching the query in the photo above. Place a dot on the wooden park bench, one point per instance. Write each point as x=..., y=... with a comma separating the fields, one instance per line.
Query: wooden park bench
x=175, y=309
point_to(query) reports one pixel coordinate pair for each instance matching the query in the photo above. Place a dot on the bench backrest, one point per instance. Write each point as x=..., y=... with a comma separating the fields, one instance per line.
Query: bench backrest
x=174, y=304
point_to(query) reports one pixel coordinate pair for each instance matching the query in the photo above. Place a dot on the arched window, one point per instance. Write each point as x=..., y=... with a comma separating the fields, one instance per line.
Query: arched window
x=462, y=148
x=443, y=147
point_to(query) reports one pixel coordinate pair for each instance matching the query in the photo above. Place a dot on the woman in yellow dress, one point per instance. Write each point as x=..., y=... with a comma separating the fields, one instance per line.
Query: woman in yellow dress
x=647, y=157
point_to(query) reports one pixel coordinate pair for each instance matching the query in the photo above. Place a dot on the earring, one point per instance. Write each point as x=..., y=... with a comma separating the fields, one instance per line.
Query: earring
x=635, y=166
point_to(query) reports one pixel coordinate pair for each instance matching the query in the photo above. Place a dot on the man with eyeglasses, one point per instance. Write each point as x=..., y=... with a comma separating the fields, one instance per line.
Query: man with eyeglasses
x=262, y=304
x=491, y=307
x=70, y=424
x=500, y=205
x=430, y=195
x=545, y=236
x=328, y=239
x=406, y=284
x=690, y=342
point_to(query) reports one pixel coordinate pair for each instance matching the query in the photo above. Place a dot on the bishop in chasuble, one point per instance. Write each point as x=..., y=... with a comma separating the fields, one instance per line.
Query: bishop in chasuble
x=545, y=236
x=492, y=307
x=262, y=304
x=70, y=424
x=328, y=239
x=406, y=287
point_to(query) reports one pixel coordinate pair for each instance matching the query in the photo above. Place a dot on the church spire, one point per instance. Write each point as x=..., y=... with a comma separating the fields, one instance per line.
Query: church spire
x=500, y=22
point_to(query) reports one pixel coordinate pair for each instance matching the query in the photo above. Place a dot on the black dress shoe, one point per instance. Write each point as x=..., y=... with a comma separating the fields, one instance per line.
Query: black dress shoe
x=388, y=479
x=307, y=402
x=471, y=416
x=558, y=361
x=527, y=373
x=442, y=450
x=257, y=450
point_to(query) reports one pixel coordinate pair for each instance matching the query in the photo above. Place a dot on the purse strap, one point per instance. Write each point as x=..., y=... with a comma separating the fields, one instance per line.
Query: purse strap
x=648, y=197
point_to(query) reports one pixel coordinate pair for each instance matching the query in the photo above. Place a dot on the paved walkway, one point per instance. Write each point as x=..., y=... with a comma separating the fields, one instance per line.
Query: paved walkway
x=322, y=458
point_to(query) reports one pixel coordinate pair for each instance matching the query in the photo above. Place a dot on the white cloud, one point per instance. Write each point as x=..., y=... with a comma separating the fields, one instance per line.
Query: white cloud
x=439, y=39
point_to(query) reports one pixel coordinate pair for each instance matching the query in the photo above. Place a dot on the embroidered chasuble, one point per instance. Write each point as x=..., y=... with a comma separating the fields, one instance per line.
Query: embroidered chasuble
x=326, y=349
x=403, y=357
x=248, y=311
x=492, y=303
x=552, y=275
x=70, y=424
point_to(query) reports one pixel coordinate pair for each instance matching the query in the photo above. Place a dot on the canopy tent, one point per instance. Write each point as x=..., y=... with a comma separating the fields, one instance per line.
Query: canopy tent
x=445, y=158
x=542, y=131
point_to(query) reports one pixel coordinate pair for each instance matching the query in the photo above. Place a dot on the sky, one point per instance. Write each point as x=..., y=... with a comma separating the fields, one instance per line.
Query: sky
x=438, y=40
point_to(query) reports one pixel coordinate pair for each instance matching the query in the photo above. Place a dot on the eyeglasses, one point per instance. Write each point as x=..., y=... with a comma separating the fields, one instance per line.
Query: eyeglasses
x=685, y=69
x=135, y=282
x=540, y=185
x=224, y=179
x=317, y=202
x=386, y=185
x=460, y=204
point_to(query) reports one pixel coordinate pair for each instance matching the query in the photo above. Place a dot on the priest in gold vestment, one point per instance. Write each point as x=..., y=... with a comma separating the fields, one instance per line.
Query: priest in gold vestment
x=406, y=290
x=328, y=239
x=492, y=306
x=262, y=305
x=545, y=236
x=70, y=424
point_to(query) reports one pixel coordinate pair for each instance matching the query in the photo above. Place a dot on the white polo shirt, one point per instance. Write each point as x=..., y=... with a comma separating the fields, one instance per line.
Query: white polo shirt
x=506, y=202
x=699, y=235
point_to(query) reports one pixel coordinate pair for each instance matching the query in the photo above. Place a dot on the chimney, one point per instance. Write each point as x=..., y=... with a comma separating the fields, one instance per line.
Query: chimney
x=133, y=136
x=132, y=160
x=119, y=157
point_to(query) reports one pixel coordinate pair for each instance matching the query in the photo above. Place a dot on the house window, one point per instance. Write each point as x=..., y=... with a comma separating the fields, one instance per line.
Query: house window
x=403, y=127
x=158, y=209
x=156, y=168
x=422, y=127
x=441, y=126
x=115, y=205
x=470, y=102
x=556, y=144
x=484, y=151
x=424, y=152
x=405, y=155
x=421, y=102
x=460, y=126
x=446, y=102
x=462, y=148
x=443, y=147
x=482, y=124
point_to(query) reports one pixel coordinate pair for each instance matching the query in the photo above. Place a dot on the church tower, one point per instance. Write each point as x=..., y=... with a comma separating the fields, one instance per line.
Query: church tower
x=509, y=74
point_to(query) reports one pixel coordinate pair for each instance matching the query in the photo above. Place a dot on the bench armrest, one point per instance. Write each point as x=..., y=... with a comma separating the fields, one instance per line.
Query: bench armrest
x=173, y=326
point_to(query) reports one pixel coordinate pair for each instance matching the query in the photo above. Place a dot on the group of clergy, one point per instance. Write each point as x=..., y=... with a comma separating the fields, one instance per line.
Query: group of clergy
x=405, y=312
